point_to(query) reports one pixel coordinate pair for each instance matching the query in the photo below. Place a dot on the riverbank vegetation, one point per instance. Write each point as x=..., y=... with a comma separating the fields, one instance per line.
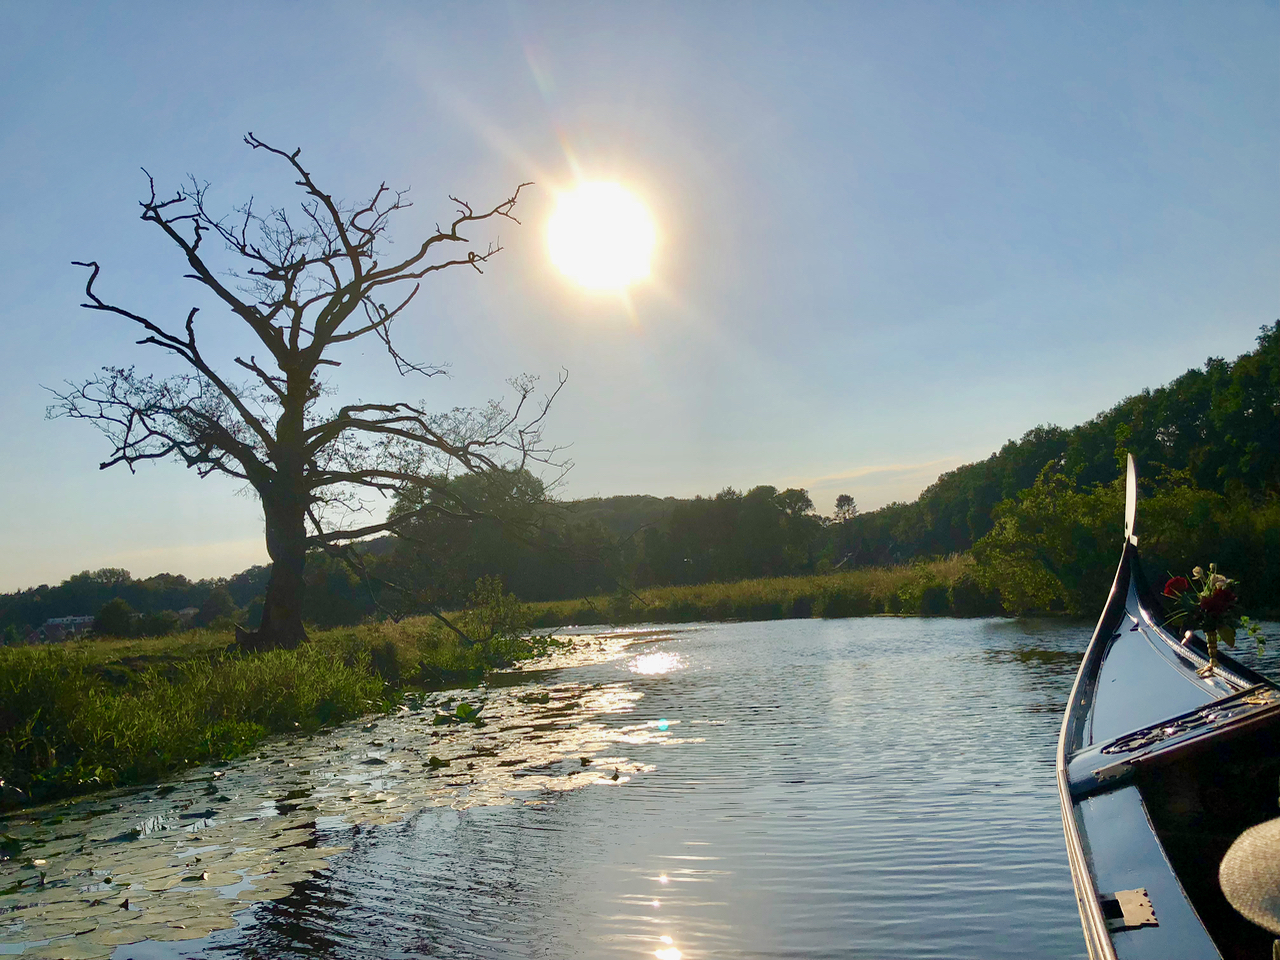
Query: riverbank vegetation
x=1032, y=528
x=111, y=711
x=96, y=713
x=949, y=587
x=1053, y=547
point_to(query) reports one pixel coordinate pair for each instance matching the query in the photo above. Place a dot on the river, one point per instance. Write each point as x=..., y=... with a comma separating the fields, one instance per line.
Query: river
x=863, y=788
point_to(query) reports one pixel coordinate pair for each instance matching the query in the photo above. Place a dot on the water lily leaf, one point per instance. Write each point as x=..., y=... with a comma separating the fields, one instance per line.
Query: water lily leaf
x=36, y=928
x=79, y=948
x=309, y=866
x=46, y=896
x=154, y=873
x=174, y=931
x=221, y=878
x=328, y=851
x=265, y=892
x=162, y=883
x=212, y=923
x=88, y=911
x=175, y=912
x=236, y=863
x=112, y=935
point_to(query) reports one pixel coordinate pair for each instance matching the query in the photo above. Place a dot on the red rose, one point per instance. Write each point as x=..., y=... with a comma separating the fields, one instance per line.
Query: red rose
x=1175, y=586
x=1218, y=602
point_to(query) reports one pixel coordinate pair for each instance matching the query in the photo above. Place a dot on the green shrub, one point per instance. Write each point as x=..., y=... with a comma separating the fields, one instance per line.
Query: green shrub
x=159, y=624
x=969, y=598
x=934, y=600
x=115, y=619
x=1056, y=545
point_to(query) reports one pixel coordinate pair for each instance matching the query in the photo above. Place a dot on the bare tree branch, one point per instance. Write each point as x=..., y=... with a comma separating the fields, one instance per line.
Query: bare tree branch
x=297, y=281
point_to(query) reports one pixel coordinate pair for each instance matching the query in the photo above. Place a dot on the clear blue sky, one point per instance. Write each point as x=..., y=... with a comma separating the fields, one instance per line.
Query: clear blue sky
x=893, y=235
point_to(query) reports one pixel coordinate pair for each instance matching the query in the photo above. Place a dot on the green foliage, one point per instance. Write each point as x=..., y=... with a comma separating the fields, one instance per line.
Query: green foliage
x=1216, y=426
x=159, y=624
x=846, y=508
x=67, y=724
x=118, y=619
x=732, y=536
x=219, y=605
x=494, y=614
x=1054, y=546
x=969, y=597
x=463, y=713
x=914, y=589
x=85, y=593
x=499, y=525
x=115, y=619
x=89, y=713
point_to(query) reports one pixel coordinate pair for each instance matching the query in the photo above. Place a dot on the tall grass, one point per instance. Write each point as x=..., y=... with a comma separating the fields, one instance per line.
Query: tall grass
x=938, y=588
x=100, y=713
x=68, y=724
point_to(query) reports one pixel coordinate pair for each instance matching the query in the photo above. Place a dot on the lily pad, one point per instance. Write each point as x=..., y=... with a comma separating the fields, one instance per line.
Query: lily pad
x=114, y=935
x=77, y=948
x=265, y=892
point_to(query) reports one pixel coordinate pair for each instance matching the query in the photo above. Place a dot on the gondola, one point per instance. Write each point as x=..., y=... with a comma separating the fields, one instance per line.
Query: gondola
x=1169, y=786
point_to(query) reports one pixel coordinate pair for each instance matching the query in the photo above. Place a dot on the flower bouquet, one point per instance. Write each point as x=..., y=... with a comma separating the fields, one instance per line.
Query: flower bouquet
x=1206, y=602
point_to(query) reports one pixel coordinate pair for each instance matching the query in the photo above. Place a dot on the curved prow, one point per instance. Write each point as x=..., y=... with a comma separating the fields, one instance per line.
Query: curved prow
x=1131, y=502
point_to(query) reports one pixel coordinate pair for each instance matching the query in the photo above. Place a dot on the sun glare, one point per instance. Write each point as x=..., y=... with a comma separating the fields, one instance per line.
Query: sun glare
x=601, y=237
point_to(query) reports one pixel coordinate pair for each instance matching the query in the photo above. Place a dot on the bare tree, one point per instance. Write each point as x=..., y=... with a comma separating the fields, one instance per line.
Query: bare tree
x=306, y=283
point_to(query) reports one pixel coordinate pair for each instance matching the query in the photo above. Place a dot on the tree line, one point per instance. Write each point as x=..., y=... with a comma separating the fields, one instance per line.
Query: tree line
x=1040, y=515
x=1216, y=428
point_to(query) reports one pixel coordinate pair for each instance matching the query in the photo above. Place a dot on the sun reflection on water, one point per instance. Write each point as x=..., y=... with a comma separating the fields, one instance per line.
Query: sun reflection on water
x=655, y=664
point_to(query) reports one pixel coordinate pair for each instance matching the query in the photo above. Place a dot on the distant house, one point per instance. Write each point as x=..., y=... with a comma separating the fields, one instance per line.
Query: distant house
x=188, y=614
x=60, y=628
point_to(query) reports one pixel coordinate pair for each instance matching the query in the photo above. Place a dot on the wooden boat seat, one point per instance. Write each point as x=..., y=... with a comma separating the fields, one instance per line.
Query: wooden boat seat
x=1250, y=875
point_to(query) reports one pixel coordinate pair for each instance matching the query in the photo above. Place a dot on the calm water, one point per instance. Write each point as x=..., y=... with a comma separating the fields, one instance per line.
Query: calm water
x=870, y=788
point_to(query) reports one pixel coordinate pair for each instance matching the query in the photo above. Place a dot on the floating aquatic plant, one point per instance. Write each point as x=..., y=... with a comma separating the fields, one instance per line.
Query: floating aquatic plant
x=179, y=862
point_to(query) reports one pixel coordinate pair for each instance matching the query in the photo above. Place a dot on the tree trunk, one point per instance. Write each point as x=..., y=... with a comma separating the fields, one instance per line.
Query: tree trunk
x=281, y=626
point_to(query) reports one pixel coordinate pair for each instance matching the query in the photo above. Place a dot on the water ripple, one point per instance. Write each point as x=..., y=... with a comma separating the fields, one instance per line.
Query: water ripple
x=865, y=788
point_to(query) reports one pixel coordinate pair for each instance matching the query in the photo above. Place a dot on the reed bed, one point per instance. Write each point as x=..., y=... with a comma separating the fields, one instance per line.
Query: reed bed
x=938, y=588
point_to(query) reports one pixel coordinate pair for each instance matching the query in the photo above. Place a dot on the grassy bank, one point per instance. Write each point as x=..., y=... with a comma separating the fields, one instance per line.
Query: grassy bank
x=939, y=588
x=98, y=713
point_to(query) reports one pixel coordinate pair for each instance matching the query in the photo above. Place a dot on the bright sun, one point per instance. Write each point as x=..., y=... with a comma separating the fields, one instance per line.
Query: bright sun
x=601, y=237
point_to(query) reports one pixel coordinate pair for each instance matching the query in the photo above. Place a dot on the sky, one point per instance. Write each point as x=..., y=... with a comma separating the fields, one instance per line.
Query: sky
x=891, y=236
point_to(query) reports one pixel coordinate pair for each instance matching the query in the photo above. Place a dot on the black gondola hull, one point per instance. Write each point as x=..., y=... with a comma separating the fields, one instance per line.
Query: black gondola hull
x=1159, y=770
